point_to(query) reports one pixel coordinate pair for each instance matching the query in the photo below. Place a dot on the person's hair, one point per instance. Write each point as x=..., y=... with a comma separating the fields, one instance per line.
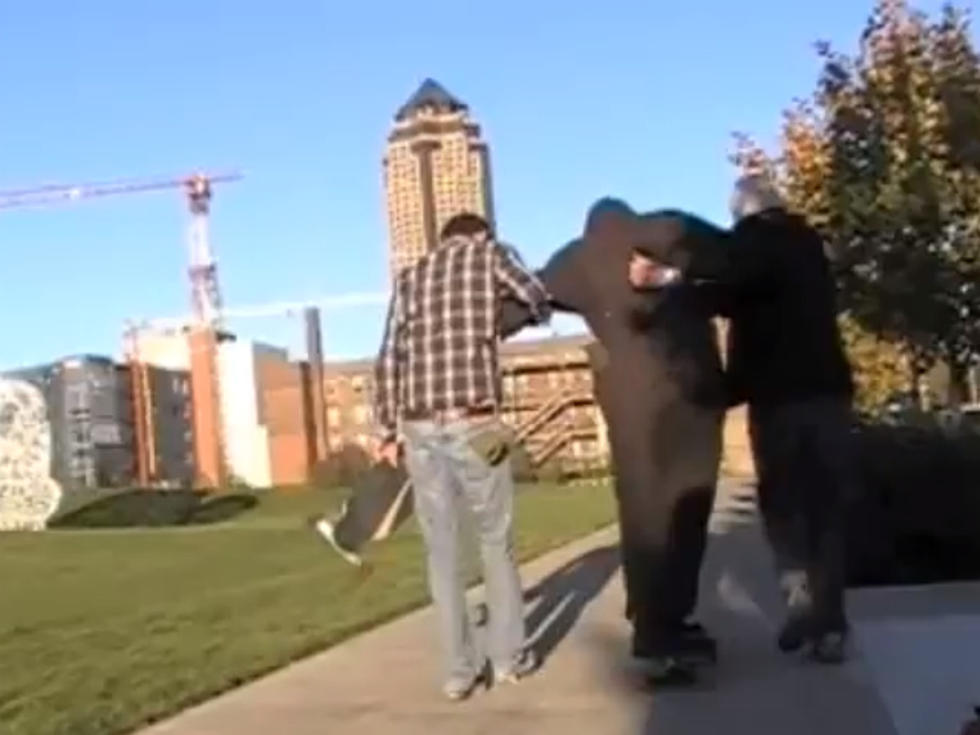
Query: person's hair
x=465, y=224
x=753, y=194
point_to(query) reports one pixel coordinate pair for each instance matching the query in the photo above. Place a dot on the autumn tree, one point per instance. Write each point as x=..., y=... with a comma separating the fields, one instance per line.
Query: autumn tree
x=884, y=158
x=881, y=367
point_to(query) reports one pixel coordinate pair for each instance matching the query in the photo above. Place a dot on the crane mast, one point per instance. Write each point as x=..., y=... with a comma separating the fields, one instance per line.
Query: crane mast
x=203, y=269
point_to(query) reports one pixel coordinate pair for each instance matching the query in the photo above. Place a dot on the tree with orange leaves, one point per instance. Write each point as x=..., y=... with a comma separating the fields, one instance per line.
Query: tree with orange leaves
x=884, y=159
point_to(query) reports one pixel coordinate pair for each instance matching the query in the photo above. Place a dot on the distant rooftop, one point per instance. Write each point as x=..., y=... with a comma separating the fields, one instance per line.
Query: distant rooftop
x=68, y=361
x=430, y=94
x=544, y=345
x=510, y=348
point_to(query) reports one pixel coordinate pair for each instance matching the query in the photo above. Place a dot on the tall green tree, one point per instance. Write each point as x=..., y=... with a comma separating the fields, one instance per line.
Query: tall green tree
x=884, y=158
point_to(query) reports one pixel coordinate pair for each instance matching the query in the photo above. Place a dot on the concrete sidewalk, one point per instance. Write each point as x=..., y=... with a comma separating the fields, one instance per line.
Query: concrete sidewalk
x=386, y=681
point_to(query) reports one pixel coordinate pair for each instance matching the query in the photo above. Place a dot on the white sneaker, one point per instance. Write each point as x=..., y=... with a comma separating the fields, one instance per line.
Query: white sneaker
x=326, y=530
x=457, y=689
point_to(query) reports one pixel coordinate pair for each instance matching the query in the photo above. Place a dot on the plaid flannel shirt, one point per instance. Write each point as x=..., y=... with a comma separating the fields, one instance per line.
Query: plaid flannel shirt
x=440, y=347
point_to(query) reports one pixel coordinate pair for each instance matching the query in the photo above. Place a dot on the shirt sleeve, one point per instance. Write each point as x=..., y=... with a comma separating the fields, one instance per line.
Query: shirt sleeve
x=520, y=282
x=387, y=373
x=514, y=316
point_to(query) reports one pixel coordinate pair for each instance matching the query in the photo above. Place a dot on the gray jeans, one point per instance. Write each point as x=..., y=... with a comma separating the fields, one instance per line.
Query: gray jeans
x=445, y=471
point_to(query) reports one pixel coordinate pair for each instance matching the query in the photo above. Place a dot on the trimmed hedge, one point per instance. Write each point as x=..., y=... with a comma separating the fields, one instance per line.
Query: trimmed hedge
x=154, y=508
x=916, y=517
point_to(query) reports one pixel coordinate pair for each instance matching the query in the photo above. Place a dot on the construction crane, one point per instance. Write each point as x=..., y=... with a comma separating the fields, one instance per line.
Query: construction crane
x=202, y=267
x=205, y=303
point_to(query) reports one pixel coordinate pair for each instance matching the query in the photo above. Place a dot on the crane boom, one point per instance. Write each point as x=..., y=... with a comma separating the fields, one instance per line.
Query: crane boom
x=282, y=308
x=53, y=194
x=205, y=305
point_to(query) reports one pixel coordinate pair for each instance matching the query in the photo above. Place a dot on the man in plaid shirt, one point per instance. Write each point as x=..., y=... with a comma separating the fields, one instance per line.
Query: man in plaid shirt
x=438, y=384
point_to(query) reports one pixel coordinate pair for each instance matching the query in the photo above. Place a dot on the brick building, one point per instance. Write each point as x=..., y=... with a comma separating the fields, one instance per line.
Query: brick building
x=547, y=397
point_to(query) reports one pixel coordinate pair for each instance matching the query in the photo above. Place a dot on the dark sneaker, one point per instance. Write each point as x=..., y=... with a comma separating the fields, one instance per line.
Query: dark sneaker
x=692, y=627
x=691, y=645
x=796, y=631
x=668, y=671
x=829, y=647
x=525, y=665
x=698, y=647
x=799, y=625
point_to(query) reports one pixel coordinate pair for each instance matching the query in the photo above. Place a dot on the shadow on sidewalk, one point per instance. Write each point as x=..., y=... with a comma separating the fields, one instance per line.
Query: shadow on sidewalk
x=562, y=596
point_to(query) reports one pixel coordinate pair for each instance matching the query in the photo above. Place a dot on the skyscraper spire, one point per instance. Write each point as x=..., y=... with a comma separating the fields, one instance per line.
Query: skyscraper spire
x=436, y=165
x=430, y=95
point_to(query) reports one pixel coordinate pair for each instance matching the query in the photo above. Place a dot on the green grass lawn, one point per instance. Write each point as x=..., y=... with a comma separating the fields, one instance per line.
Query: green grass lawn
x=102, y=631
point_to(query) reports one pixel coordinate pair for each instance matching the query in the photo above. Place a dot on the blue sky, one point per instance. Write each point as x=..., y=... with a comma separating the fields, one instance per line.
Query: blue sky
x=577, y=100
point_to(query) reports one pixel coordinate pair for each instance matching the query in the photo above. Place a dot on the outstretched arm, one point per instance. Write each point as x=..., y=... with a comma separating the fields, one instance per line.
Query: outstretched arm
x=514, y=316
x=565, y=287
x=519, y=283
x=562, y=277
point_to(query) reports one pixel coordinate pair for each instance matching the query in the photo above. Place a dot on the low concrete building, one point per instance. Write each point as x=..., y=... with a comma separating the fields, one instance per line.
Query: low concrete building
x=246, y=437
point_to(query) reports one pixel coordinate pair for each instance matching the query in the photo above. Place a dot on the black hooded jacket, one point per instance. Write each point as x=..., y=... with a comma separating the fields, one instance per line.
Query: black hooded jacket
x=784, y=340
x=657, y=346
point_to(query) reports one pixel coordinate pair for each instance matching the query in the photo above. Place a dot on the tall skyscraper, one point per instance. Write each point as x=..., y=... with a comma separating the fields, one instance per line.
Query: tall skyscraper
x=435, y=166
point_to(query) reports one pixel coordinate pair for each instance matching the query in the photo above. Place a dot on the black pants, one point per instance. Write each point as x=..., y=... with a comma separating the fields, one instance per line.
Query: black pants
x=803, y=457
x=665, y=456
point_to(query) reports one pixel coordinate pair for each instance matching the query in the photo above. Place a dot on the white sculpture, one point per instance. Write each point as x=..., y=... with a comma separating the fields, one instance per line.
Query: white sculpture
x=29, y=496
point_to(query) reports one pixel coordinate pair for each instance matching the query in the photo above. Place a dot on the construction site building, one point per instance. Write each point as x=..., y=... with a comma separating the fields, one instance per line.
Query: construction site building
x=259, y=428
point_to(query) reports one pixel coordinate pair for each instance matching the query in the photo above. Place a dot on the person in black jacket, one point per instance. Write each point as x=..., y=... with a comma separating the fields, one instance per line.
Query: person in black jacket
x=659, y=382
x=787, y=361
